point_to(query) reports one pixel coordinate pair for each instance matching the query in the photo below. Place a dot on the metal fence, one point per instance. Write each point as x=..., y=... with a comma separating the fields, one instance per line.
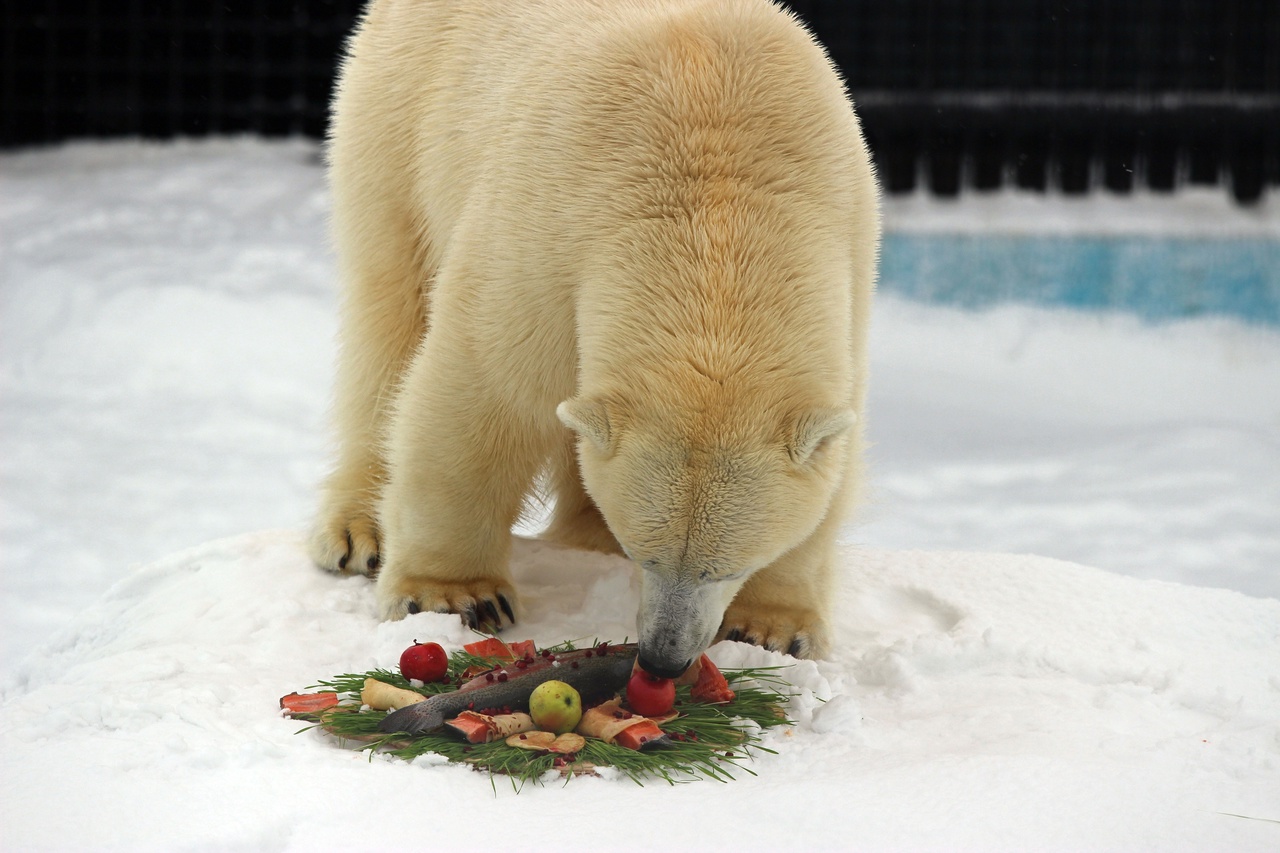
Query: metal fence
x=1070, y=94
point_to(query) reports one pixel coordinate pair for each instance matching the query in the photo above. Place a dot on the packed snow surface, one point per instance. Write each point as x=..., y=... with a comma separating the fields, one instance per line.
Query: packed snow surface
x=166, y=324
x=974, y=701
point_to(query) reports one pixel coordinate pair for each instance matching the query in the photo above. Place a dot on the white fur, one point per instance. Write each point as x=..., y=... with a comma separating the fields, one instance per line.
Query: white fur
x=651, y=221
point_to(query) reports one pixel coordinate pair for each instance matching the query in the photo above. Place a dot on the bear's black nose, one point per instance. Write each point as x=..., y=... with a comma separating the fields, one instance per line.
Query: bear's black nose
x=663, y=670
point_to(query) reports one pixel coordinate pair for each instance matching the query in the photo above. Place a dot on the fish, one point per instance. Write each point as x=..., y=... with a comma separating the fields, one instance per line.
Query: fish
x=596, y=674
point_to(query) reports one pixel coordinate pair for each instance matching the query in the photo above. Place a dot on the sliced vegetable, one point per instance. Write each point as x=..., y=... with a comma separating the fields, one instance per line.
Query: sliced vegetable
x=568, y=743
x=383, y=697
x=565, y=744
x=535, y=741
x=308, y=703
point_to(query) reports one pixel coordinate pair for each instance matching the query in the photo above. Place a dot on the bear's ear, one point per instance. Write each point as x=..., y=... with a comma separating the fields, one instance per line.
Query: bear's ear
x=589, y=419
x=817, y=428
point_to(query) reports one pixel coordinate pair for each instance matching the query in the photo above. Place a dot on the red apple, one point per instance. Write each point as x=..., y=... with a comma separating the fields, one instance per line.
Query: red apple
x=424, y=661
x=650, y=696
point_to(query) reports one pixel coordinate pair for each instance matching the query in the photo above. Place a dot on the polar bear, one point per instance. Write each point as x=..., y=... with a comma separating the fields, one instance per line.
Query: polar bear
x=621, y=248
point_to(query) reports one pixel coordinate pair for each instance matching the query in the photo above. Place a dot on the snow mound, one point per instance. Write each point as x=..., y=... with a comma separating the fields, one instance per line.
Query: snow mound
x=975, y=702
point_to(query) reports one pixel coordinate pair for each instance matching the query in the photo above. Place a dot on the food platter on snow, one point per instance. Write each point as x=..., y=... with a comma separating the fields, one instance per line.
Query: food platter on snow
x=478, y=713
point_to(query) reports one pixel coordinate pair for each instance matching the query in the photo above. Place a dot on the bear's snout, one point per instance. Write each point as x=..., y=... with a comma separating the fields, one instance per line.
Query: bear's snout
x=678, y=619
x=661, y=668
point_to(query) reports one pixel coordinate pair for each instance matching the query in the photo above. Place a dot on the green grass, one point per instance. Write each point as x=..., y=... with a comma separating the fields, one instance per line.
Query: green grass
x=707, y=741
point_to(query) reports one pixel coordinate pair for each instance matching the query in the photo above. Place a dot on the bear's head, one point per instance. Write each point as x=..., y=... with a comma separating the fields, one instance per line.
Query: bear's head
x=702, y=495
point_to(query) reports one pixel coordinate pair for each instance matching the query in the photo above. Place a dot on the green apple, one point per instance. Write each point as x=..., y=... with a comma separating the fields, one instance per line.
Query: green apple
x=555, y=707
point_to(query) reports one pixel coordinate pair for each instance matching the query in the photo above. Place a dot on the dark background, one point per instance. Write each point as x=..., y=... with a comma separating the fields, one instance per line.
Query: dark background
x=1068, y=94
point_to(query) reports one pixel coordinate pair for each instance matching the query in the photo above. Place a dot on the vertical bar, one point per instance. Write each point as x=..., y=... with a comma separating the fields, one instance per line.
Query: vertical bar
x=217, y=68
x=49, y=73
x=174, y=107
x=11, y=118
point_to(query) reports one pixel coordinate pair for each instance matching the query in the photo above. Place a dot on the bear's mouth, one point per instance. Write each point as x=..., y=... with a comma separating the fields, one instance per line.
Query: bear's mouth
x=678, y=620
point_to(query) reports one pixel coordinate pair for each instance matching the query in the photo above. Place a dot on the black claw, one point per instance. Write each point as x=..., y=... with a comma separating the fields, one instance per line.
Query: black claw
x=492, y=610
x=506, y=608
x=734, y=635
x=374, y=562
x=795, y=648
x=414, y=607
x=468, y=615
x=342, y=563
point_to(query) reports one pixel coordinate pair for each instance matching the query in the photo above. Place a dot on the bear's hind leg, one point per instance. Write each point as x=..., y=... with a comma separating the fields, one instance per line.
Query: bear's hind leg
x=383, y=319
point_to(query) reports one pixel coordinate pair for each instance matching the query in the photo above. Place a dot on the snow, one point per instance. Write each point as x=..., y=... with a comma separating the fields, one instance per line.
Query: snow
x=1059, y=625
x=976, y=701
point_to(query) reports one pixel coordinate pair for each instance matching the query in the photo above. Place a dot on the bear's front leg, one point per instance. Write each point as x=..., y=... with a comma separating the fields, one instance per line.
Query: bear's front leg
x=459, y=464
x=781, y=610
x=786, y=606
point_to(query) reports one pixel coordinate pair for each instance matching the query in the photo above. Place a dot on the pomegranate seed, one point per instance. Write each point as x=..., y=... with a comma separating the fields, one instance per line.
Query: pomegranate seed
x=551, y=657
x=524, y=737
x=546, y=653
x=603, y=649
x=521, y=664
x=573, y=664
x=502, y=676
x=588, y=654
x=488, y=676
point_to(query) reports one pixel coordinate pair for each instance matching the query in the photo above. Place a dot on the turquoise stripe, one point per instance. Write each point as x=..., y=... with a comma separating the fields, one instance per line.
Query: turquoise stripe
x=1158, y=278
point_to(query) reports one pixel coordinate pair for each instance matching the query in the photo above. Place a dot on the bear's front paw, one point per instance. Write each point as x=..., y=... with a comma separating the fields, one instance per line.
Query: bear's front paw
x=345, y=540
x=482, y=603
x=800, y=633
